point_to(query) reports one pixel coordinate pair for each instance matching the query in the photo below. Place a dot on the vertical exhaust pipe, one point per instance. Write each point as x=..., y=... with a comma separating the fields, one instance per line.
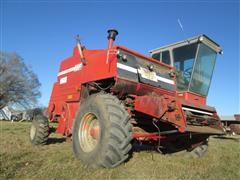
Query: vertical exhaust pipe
x=112, y=33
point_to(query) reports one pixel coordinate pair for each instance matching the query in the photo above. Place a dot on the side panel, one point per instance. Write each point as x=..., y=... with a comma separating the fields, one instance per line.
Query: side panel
x=193, y=98
x=153, y=101
x=138, y=69
x=65, y=122
x=65, y=97
x=159, y=108
x=126, y=86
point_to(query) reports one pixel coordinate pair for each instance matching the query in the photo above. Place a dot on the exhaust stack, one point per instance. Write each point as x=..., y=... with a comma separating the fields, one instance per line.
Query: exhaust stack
x=112, y=33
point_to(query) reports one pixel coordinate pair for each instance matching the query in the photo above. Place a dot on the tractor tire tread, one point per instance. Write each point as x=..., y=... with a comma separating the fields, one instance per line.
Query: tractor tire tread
x=42, y=130
x=117, y=145
x=199, y=151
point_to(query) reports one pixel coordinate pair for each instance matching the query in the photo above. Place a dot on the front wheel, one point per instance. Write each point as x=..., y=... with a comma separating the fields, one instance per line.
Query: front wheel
x=39, y=131
x=102, y=132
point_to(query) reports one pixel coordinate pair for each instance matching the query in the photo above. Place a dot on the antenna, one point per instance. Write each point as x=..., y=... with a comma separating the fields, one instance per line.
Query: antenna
x=181, y=26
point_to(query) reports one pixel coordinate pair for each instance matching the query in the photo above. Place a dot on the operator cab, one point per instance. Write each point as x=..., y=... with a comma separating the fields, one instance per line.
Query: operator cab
x=194, y=61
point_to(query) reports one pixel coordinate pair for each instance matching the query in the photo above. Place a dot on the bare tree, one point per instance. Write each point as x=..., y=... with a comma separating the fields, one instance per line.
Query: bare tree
x=19, y=85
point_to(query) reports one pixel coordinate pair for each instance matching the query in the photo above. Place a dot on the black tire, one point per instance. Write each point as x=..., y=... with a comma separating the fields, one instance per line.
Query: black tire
x=39, y=131
x=184, y=150
x=199, y=151
x=114, y=139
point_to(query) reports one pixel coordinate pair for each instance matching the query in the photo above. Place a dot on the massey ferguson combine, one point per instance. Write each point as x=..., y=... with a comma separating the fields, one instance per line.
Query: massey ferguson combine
x=106, y=99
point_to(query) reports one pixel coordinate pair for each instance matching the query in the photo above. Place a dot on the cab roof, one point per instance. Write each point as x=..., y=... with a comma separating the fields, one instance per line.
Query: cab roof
x=200, y=38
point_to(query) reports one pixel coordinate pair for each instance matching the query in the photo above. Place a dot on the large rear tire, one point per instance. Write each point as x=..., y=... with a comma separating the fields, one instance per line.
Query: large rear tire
x=39, y=131
x=102, y=132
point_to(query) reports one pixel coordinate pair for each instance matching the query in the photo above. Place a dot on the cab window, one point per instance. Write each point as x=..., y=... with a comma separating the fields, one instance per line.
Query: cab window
x=166, y=57
x=156, y=56
x=163, y=57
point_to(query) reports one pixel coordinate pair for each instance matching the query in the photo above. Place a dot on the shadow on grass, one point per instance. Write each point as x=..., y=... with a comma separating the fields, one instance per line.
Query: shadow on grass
x=236, y=139
x=143, y=146
x=56, y=140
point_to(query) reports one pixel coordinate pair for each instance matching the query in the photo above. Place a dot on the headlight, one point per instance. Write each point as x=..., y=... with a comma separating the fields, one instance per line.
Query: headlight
x=151, y=67
x=124, y=57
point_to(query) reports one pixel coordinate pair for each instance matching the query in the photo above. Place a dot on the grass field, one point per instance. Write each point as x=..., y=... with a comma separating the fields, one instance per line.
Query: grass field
x=21, y=160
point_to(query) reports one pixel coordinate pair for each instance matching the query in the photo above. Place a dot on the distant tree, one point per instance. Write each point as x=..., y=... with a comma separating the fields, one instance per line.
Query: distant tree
x=19, y=85
x=31, y=113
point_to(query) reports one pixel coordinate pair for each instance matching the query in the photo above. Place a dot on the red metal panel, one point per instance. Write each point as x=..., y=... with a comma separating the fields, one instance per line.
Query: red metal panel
x=144, y=57
x=192, y=98
x=68, y=113
x=158, y=107
x=101, y=64
x=97, y=68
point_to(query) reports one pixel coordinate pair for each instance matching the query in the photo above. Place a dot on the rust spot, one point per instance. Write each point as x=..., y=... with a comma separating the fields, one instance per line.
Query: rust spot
x=178, y=117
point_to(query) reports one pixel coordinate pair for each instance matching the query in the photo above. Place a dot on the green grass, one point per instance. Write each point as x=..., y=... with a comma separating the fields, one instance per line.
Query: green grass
x=21, y=160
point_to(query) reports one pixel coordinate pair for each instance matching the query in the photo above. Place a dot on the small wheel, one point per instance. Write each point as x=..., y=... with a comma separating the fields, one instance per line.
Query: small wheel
x=177, y=148
x=199, y=151
x=39, y=131
x=102, y=132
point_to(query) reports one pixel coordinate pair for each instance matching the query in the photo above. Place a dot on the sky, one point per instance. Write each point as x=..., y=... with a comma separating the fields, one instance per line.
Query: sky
x=42, y=32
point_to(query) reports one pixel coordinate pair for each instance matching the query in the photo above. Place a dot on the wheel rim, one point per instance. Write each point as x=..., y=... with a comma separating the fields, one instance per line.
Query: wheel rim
x=89, y=132
x=33, y=132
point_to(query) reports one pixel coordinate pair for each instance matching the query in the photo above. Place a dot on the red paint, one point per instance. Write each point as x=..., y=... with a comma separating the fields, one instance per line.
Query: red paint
x=94, y=132
x=147, y=136
x=191, y=97
x=102, y=64
x=145, y=57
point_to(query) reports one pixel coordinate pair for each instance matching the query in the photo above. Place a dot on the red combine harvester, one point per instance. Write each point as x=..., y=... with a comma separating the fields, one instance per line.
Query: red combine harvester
x=109, y=98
